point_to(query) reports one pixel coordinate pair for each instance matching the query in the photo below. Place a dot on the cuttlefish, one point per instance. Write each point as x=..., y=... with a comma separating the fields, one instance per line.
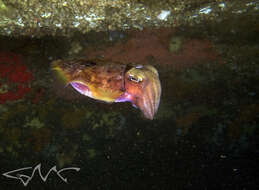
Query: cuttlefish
x=113, y=82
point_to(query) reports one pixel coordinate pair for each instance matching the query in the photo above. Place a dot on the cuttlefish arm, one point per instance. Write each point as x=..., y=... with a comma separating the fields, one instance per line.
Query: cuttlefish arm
x=114, y=82
x=143, y=85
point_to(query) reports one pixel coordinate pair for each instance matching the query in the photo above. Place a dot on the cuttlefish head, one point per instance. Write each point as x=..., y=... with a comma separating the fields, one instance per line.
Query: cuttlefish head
x=143, y=85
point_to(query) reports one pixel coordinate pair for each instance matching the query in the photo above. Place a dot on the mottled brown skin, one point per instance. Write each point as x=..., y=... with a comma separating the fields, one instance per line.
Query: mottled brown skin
x=105, y=79
x=114, y=82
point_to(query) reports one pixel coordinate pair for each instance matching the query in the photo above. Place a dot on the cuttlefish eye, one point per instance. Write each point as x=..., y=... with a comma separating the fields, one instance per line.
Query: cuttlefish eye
x=135, y=78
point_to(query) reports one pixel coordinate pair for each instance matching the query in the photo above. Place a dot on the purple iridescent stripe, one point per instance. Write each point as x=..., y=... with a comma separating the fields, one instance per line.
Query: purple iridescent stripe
x=83, y=89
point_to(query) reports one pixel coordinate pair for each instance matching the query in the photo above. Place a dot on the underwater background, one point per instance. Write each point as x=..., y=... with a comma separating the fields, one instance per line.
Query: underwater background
x=204, y=135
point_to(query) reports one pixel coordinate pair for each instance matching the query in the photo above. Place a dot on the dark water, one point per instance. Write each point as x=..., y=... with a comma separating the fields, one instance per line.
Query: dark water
x=204, y=136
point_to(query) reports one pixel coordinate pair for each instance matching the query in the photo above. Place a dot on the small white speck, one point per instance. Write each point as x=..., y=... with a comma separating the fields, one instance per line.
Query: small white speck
x=148, y=17
x=222, y=5
x=223, y=156
x=92, y=15
x=194, y=16
x=20, y=22
x=76, y=24
x=89, y=19
x=139, y=66
x=239, y=11
x=64, y=4
x=46, y=15
x=79, y=17
x=205, y=10
x=125, y=26
x=138, y=26
x=58, y=25
x=250, y=4
x=163, y=15
x=93, y=25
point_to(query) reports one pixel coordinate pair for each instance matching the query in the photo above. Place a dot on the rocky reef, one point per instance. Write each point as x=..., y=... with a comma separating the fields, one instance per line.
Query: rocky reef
x=64, y=17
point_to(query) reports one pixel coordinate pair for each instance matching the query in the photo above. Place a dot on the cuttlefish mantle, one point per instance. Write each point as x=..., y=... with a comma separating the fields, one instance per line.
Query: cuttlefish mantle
x=113, y=82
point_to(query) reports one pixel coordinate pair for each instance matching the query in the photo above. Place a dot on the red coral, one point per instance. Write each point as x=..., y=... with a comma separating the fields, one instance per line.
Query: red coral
x=154, y=43
x=16, y=74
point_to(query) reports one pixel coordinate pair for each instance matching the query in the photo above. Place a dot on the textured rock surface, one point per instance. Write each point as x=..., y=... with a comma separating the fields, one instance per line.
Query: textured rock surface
x=63, y=17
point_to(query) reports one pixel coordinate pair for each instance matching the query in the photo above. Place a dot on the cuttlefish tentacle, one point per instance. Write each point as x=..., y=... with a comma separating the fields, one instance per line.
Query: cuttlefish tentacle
x=113, y=82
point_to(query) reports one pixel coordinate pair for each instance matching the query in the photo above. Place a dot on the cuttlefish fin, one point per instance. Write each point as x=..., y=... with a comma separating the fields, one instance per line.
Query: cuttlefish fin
x=81, y=88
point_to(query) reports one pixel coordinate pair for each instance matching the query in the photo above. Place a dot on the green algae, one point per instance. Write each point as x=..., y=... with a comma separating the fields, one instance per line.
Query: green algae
x=175, y=44
x=34, y=123
x=109, y=122
x=67, y=157
x=91, y=153
x=86, y=138
x=73, y=119
x=2, y=5
x=14, y=115
x=4, y=88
